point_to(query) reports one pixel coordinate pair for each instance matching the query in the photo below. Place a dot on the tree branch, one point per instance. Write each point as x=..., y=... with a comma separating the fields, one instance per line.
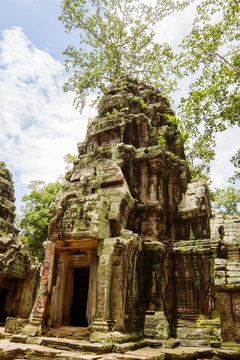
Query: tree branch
x=143, y=70
x=142, y=30
x=86, y=27
x=227, y=62
x=214, y=117
x=236, y=115
x=136, y=35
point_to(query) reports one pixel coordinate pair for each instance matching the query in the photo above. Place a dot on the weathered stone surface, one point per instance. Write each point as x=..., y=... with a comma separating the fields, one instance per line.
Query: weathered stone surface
x=7, y=199
x=9, y=350
x=130, y=251
x=19, y=272
x=149, y=349
x=156, y=325
x=15, y=325
x=227, y=274
x=19, y=279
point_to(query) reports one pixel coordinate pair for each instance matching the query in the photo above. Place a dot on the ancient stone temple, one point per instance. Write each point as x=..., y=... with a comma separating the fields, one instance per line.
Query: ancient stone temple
x=19, y=273
x=129, y=251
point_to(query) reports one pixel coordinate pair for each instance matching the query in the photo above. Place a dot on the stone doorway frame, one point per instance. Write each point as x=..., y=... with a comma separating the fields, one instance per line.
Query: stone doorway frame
x=64, y=285
x=14, y=288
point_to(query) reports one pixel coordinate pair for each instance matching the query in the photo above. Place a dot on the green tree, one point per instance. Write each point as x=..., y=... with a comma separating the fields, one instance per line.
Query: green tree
x=210, y=53
x=36, y=216
x=226, y=201
x=116, y=37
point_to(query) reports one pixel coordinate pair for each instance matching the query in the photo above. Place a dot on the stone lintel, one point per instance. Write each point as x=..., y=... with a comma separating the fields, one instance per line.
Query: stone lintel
x=199, y=245
x=83, y=244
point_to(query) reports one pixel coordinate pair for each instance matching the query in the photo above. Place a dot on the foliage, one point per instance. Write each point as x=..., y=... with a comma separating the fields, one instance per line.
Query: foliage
x=211, y=53
x=226, y=201
x=36, y=216
x=115, y=111
x=236, y=162
x=143, y=104
x=69, y=160
x=116, y=37
x=161, y=140
x=172, y=120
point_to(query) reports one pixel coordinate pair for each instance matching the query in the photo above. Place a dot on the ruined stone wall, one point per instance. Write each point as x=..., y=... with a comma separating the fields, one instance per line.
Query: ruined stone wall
x=226, y=230
x=7, y=199
x=19, y=278
x=19, y=272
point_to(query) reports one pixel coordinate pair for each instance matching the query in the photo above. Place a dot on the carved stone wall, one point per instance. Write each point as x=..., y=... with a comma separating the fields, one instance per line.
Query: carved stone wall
x=19, y=272
x=7, y=199
x=19, y=278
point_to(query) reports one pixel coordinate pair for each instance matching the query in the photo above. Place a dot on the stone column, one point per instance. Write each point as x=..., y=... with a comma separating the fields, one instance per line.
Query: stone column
x=102, y=322
x=117, y=284
x=156, y=324
x=39, y=309
x=29, y=292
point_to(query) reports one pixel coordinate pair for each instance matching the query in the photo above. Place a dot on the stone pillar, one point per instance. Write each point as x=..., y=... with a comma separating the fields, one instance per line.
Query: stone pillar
x=91, y=302
x=117, y=284
x=38, y=312
x=102, y=322
x=227, y=276
x=156, y=324
x=30, y=290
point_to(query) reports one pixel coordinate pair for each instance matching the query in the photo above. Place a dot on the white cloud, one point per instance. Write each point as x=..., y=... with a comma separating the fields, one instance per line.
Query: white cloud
x=173, y=28
x=227, y=145
x=38, y=123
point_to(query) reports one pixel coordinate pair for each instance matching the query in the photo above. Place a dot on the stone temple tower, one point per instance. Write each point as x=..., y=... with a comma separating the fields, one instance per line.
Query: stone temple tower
x=129, y=249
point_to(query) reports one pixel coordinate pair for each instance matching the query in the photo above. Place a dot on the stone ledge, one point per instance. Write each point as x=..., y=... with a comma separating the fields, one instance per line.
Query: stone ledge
x=10, y=350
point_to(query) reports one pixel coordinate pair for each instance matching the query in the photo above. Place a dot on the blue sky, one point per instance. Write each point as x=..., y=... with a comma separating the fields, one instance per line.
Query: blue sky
x=38, y=124
x=39, y=22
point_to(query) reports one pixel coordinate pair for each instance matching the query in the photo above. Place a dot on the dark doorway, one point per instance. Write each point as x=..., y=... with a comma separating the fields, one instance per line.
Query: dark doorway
x=3, y=295
x=80, y=295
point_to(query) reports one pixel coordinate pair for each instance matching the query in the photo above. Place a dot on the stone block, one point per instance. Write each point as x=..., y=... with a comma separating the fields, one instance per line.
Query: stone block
x=15, y=325
x=156, y=326
x=233, y=280
x=34, y=340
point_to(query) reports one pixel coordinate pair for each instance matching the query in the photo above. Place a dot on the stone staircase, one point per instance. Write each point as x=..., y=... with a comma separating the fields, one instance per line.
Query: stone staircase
x=19, y=347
